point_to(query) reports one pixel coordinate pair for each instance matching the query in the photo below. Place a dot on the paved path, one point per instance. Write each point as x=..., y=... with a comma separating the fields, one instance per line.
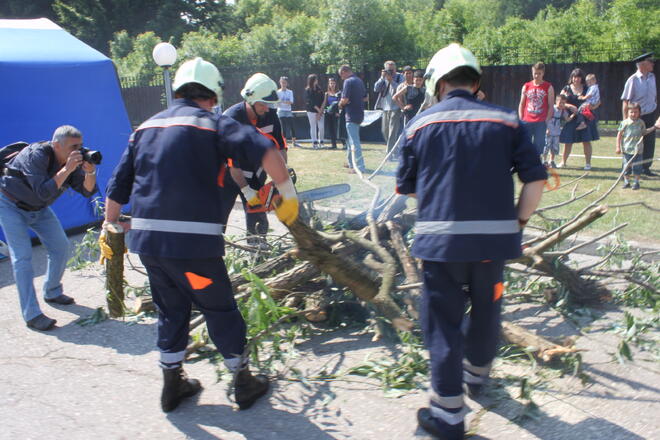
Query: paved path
x=102, y=381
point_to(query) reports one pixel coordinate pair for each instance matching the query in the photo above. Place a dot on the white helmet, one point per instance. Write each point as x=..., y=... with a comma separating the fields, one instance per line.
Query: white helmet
x=445, y=61
x=260, y=88
x=201, y=72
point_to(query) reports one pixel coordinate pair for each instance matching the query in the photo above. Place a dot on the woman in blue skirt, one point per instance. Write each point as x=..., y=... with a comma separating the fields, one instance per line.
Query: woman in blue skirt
x=570, y=134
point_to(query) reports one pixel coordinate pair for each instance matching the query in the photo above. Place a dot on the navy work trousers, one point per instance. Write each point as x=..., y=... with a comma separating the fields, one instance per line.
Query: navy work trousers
x=447, y=288
x=176, y=284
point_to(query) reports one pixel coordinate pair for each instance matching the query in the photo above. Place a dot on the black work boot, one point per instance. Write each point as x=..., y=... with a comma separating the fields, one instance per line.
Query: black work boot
x=438, y=428
x=177, y=387
x=249, y=388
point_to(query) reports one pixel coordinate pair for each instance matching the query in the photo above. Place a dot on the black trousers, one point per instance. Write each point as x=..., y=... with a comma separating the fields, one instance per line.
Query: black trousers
x=288, y=127
x=176, y=284
x=332, y=121
x=649, y=141
x=447, y=288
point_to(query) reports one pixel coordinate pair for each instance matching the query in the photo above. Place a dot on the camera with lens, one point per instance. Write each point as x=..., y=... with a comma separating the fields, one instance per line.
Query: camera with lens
x=91, y=156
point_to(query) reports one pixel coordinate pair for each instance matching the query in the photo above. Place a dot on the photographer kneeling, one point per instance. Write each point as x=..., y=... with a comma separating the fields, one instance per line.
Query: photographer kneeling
x=32, y=181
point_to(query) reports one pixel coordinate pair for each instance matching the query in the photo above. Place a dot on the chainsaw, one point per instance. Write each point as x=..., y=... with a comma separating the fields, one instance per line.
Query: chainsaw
x=269, y=196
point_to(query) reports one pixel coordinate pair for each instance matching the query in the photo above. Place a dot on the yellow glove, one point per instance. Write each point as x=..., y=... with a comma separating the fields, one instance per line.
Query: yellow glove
x=106, y=251
x=251, y=196
x=287, y=208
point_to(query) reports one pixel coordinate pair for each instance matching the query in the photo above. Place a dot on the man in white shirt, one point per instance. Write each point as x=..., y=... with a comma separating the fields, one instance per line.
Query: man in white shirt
x=640, y=88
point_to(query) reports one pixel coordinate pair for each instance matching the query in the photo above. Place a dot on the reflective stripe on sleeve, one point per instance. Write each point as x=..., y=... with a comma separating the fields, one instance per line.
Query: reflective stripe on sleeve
x=202, y=228
x=467, y=227
x=477, y=115
x=192, y=121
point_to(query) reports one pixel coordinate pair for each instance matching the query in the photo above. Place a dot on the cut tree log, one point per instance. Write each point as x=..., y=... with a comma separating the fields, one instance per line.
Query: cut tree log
x=143, y=303
x=317, y=303
x=114, y=269
x=541, y=348
x=346, y=272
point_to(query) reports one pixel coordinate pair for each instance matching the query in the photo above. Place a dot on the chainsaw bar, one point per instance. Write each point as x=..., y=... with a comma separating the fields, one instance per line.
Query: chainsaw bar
x=323, y=192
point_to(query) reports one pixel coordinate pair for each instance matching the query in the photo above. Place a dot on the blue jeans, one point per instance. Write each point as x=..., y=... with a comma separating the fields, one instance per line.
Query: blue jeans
x=537, y=132
x=353, y=131
x=15, y=223
x=635, y=167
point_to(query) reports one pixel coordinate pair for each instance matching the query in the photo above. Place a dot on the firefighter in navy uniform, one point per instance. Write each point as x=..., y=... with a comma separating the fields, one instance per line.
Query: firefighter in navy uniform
x=169, y=172
x=259, y=94
x=457, y=160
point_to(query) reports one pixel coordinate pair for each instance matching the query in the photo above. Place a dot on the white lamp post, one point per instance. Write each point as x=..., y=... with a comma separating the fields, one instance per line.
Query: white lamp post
x=165, y=56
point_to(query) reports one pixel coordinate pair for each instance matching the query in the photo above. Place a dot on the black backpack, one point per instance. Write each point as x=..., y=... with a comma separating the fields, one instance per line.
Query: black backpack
x=9, y=152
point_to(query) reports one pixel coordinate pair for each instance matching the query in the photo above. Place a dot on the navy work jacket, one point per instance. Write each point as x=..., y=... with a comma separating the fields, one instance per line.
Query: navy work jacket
x=31, y=181
x=169, y=172
x=458, y=157
x=267, y=125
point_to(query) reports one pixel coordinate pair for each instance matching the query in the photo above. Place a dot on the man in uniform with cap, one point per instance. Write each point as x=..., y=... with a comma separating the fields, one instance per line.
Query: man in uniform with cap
x=457, y=158
x=640, y=88
x=169, y=172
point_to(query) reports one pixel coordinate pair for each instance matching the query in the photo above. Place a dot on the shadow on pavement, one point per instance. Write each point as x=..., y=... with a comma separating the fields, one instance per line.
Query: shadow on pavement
x=250, y=423
x=547, y=427
x=129, y=337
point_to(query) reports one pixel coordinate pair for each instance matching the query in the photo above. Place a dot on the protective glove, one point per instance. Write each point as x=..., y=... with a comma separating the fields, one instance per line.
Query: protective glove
x=251, y=196
x=286, y=207
x=106, y=251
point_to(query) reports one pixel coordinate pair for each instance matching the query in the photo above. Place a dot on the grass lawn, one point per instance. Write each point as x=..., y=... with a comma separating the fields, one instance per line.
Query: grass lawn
x=317, y=168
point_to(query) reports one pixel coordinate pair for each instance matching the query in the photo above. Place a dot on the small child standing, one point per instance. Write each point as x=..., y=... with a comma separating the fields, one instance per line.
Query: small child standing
x=592, y=98
x=629, y=141
x=553, y=131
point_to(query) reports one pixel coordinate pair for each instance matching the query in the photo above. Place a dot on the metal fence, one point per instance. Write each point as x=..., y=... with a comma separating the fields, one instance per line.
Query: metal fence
x=502, y=85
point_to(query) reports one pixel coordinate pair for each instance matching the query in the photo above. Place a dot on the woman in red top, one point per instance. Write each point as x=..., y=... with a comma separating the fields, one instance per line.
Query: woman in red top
x=535, y=108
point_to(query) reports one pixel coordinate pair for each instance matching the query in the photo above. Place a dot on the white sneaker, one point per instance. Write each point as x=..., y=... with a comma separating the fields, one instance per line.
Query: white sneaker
x=587, y=167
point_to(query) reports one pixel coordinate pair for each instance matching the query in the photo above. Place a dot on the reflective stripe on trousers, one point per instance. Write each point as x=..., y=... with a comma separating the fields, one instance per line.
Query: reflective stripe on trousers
x=185, y=227
x=467, y=227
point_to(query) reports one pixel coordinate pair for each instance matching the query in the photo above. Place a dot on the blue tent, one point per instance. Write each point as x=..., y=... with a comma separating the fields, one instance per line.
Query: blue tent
x=50, y=78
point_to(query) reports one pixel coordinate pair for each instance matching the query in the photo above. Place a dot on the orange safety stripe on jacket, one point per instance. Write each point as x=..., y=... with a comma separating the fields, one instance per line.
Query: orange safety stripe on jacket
x=498, y=290
x=221, y=175
x=269, y=136
x=198, y=282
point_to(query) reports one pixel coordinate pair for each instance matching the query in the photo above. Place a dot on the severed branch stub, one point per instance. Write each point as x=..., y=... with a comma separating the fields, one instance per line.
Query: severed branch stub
x=114, y=267
x=540, y=347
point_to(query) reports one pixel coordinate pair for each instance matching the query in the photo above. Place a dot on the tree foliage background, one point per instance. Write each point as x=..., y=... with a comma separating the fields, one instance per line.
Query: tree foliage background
x=319, y=35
